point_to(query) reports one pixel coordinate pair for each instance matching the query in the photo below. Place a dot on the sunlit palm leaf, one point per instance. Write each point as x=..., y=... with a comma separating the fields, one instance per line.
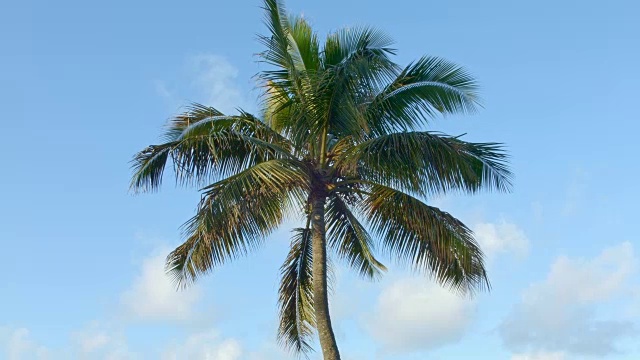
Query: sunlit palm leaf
x=424, y=89
x=293, y=112
x=304, y=45
x=356, y=64
x=292, y=49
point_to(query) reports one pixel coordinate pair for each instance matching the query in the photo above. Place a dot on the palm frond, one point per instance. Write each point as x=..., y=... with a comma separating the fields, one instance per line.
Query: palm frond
x=195, y=113
x=297, y=316
x=427, y=238
x=304, y=45
x=276, y=42
x=148, y=167
x=424, y=89
x=236, y=214
x=346, y=42
x=293, y=112
x=350, y=239
x=205, y=145
x=356, y=64
x=149, y=164
x=291, y=49
x=428, y=163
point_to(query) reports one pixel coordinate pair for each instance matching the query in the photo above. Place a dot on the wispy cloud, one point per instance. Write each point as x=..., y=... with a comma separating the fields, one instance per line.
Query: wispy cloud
x=501, y=238
x=205, y=345
x=153, y=296
x=416, y=314
x=540, y=356
x=97, y=342
x=216, y=81
x=208, y=79
x=150, y=298
x=562, y=312
x=18, y=344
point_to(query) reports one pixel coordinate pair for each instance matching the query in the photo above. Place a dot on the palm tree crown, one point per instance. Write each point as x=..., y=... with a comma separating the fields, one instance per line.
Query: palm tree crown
x=341, y=141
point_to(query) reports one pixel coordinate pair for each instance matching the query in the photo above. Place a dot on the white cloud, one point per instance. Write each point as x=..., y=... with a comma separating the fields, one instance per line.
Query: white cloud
x=153, y=296
x=271, y=351
x=416, y=314
x=216, y=79
x=569, y=311
x=213, y=81
x=206, y=346
x=540, y=356
x=98, y=341
x=89, y=343
x=17, y=344
x=502, y=237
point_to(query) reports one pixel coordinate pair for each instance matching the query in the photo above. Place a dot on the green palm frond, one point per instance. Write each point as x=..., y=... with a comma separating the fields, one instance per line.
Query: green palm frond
x=277, y=42
x=204, y=145
x=291, y=48
x=344, y=43
x=297, y=317
x=277, y=107
x=149, y=164
x=350, y=239
x=148, y=167
x=424, y=89
x=428, y=163
x=304, y=45
x=292, y=109
x=195, y=113
x=427, y=238
x=356, y=65
x=236, y=214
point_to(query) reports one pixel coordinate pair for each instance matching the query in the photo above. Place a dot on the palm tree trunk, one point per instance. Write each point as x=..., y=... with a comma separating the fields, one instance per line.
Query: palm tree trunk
x=319, y=269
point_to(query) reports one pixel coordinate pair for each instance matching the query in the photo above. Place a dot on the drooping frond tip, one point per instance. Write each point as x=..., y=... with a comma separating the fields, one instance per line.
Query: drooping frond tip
x=427, y=238
x=235, y=215
x=351, y=240
x=297, y=317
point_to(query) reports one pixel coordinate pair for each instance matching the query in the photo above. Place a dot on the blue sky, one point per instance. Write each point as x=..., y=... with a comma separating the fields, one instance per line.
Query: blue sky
x=85, y=85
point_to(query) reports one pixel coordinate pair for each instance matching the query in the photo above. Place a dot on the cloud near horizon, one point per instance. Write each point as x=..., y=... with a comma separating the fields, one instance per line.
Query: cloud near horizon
x=413, y=313
x=569, y=311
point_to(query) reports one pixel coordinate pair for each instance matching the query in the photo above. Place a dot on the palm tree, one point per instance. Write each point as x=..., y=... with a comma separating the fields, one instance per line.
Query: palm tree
x=341, y=141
